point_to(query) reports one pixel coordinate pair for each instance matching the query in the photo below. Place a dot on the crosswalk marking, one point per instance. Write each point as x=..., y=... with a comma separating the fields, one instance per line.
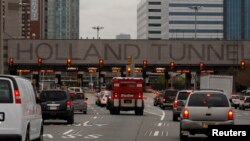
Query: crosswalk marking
x=156, y=133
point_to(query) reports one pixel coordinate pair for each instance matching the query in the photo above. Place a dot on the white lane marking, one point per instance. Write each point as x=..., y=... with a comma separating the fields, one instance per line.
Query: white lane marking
x=163, y=115
x=86, y=124
x=48, y=136
x=67, y=132
x=156, y=133
x=150, y=133
x=159, y=124
x=146, y=133
x=95, y=117
x=167, y=124
x=97, y=113
x=166, y=133
x=93, y=136
x=162, y=133
x=151, y=113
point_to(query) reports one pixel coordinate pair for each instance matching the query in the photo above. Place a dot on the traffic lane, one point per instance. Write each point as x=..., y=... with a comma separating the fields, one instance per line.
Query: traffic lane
x=242, y=117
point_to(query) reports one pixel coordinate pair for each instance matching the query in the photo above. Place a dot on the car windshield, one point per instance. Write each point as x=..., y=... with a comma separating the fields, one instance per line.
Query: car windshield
x=5, y=92
x=208, y=100
x=248, y=99
x=183, y=95
x=53, y=95
x=128, y=85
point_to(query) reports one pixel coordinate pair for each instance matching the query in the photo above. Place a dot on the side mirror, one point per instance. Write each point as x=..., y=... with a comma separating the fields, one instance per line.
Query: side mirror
x=181, y=103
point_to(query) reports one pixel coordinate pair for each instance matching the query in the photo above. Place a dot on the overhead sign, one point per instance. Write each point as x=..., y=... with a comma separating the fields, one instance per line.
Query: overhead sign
x=113, y=52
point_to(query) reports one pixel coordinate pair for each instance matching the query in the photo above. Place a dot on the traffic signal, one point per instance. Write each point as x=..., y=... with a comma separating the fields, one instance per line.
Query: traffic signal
x=172, y=65
x=129, y=70
x=129, y=60
x=69, y=62
x=11, y=61
x=202, y=66
x=40, y=61
x=242, y=64
x=145, y=63
x=101, y=62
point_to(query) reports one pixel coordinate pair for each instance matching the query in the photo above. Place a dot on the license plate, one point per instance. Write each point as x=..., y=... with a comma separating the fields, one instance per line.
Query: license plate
x=1, y=116
x=53, y=108
x=205, y=124
x=128, y=101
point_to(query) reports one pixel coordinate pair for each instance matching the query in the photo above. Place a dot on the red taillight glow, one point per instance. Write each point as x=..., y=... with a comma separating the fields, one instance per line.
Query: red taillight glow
x=17, y=96
x=163, y=100
x=175, y=103
x=115, y=95
x=139, y=96
x=230, y=115
x=85, y=101
x=68, y=102
x=185, y=113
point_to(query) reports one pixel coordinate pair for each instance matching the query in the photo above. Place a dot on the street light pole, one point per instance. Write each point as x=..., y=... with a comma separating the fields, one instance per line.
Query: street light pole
x=196, y=9
x=97, y=28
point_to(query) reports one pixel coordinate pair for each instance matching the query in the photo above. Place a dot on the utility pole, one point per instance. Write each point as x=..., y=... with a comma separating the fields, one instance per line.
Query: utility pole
x=196, y=9
x=97, y=28
x=1, y=38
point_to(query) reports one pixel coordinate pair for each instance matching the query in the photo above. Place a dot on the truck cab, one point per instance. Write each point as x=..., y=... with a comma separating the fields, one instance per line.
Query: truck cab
x=127, y=95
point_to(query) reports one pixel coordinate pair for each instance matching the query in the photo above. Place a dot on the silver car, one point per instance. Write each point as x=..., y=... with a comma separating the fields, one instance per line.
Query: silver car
x=181, y=96
x=245, y=103
x=79, y=102
x=204, y=108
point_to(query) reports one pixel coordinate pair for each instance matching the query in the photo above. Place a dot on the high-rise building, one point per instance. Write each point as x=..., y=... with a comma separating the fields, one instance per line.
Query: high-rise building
x=32, y=19
x=237, y=19
x=175, y=19
x=61, y=19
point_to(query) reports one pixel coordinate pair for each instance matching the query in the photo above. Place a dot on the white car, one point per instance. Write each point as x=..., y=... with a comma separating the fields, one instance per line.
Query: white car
x=75, y=89
x=20, y=115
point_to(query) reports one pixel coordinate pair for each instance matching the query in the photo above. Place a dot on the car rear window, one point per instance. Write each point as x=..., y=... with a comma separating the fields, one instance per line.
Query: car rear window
x=170, y=93
x=78, y=96
x=53, y=95
x=5, y=92
x=183, y=95
x=128, y=85
x=235, y=97
x=208, y=100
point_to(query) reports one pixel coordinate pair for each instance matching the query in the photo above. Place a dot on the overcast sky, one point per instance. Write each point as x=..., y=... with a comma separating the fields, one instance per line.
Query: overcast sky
x=116, y=16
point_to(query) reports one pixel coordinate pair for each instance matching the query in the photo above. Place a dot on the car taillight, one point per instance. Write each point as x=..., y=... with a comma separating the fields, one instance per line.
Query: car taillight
x=139, y=96
x=175, y=104
x=68, y=102
x=185, y=113
x=17, y=96
x=85, y=101
x=230, y=115
x=115, y=95
x=164, y=100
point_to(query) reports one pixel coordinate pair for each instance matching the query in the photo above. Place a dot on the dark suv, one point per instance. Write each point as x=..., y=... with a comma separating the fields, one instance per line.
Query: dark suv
x=166, y=98
x=56, y=104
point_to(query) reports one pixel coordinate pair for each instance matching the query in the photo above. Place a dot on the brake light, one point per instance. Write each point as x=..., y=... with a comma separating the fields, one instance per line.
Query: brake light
x=139, y=96
x=230, y=115
x=68, y=102
x=17, y=96
x=115, y=95
x=175, y=103
x=185, y=113
x=164, y=100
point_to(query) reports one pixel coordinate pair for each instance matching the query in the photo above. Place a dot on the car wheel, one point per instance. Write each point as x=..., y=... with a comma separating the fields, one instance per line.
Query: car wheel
x=243, y=108
x=41, y=135
x=235, y=107
x=27, y=136
x=84, y=112
x=117, y=112
x=112, y=112
x=155, y=104
x=139, y=112
x=175, y=117
x=70, y=120
x=183, y=137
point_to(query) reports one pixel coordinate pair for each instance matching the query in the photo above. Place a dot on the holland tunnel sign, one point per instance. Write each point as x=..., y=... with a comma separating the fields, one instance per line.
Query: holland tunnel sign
x=117, y=51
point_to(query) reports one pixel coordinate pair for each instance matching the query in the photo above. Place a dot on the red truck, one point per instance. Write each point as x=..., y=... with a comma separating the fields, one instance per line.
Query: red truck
x=127, y=95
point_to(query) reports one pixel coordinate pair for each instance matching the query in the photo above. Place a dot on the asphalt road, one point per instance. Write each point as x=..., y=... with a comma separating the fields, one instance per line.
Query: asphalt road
x=99, y=125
